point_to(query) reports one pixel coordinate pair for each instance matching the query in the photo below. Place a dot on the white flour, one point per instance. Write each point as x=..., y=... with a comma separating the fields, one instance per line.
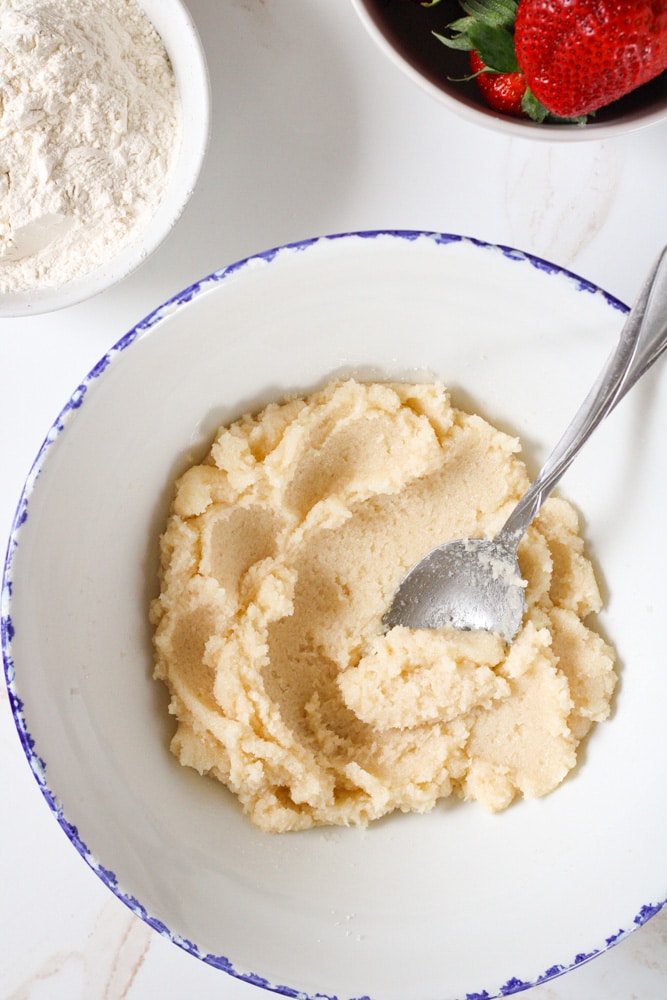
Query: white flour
x=89, y=129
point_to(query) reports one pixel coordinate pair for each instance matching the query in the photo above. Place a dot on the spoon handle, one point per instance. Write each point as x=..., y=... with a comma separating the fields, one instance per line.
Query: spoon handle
x=642, y=340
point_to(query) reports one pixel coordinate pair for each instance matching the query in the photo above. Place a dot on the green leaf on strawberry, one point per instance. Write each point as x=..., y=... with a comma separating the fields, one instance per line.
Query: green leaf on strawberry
x=495, y=13
x=495, y=46
x=532, y=107
x=460, y=39
x=487, y=29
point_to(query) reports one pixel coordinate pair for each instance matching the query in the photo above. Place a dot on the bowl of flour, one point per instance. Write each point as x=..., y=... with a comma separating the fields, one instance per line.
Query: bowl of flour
x=104, y=128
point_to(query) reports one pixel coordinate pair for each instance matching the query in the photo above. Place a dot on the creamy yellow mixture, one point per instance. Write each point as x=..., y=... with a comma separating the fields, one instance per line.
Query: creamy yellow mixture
x=280, y=556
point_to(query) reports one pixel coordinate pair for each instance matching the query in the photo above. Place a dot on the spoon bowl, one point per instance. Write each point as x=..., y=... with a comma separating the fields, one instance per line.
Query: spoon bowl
x=445, y=587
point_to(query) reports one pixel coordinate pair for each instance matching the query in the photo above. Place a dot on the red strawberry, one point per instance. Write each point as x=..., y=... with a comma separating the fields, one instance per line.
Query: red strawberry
x=576, y=55
x=487, y=33
x=579, y=55
x=501, y=91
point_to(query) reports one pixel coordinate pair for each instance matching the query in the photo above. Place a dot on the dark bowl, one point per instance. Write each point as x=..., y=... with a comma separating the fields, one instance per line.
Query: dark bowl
x=404, y=31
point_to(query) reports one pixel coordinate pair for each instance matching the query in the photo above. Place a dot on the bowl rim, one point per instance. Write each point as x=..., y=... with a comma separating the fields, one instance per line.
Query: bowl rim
x=144, y=327
x=189, y=65
x=495, y=121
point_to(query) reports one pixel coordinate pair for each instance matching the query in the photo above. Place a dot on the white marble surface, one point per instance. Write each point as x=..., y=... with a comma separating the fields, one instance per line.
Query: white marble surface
x=314, y=132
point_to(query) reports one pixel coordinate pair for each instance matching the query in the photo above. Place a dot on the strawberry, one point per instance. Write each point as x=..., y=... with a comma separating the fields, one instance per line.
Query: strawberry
x=487, y=32
x=580, y=55
x=575, y=56
x=503, y=92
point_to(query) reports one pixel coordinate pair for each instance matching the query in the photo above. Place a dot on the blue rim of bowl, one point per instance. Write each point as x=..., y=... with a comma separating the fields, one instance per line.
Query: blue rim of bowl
x=39, y=766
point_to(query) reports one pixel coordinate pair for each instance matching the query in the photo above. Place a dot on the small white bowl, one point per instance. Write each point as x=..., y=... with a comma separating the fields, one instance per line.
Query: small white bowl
x=174, y=24
x=437, y=907
x=403, y=31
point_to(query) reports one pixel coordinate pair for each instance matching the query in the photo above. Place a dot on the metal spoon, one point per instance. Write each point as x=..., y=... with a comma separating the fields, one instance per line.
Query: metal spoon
x=475, y=583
